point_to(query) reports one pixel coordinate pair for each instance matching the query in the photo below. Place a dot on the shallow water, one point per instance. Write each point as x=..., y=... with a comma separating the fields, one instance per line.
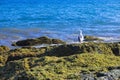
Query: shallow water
x=21, y=19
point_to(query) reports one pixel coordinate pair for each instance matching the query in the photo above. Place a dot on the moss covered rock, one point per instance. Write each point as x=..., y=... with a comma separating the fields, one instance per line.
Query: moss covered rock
x=4, y=49
x=12, y=70
x=3, y=60
x=54, y=68
x=37, y=41
x=115, y=48
x=57, y=41
x=20, y=53
x=66, y=61
x=65, y=50
x=91, y=47
x=3, y=55
x=92, y=38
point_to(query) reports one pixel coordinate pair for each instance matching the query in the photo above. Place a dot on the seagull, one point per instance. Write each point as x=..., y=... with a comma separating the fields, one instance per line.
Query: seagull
x=80, y=37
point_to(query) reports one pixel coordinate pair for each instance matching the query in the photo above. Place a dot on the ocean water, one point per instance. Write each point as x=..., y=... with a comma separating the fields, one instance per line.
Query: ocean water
x=22, y=19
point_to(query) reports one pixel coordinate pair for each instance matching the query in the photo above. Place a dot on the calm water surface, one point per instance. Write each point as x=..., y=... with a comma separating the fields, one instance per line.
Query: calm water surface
x=21, y=19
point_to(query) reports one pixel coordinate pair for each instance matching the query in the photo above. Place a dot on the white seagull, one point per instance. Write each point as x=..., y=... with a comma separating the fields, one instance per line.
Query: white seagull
x=80, y=37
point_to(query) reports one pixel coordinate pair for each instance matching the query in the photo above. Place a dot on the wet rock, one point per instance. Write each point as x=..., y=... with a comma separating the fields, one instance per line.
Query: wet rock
x=37, y=41
x=92, y=38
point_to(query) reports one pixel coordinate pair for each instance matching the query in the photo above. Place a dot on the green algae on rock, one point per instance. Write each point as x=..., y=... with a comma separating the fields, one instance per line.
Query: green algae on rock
x=65, y=50
x=3, y=60
x=57, y=41
x=25, y=52
x=38, y=41
x=4, y=49
x=91, y=47
x=3, y=54
x=92, y=38
x=67, y=61
x=52, y=67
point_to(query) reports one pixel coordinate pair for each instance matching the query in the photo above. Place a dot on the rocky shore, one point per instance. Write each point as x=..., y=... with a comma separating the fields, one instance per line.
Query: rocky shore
x=86, y=61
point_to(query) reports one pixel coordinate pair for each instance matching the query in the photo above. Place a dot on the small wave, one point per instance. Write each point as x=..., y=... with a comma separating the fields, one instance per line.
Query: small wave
x=110, y=39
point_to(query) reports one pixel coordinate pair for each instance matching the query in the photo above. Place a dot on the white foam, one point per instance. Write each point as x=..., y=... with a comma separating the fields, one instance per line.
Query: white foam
x=110, y=39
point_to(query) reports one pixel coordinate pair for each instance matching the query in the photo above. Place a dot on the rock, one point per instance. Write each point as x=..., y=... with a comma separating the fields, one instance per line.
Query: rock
x=64, y=50
x=116, y=67
x=3, y=55
x=115, y=48
x=4, y=49
x=92, y=38
x=25, y=76
x=70, y=49
x=44, y=40
x=101, y=74
x=87, y=76
x=115, y=73
x=28, y=42
x=37, y=41
x=20, y=53
x=57, y=41
x=110, y=75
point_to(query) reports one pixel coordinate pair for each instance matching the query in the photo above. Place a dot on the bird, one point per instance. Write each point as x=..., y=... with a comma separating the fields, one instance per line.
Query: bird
x=80, y=36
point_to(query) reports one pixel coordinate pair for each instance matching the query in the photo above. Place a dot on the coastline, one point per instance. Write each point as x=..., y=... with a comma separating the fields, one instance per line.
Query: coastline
x=8, y=42
x=59, y=40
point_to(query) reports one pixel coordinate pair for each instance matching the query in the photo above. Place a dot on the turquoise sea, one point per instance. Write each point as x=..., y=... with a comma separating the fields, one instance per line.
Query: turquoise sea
x=22, y=19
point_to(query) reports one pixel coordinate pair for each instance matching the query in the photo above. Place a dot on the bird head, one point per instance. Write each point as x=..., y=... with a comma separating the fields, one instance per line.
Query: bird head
x=80, y=31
